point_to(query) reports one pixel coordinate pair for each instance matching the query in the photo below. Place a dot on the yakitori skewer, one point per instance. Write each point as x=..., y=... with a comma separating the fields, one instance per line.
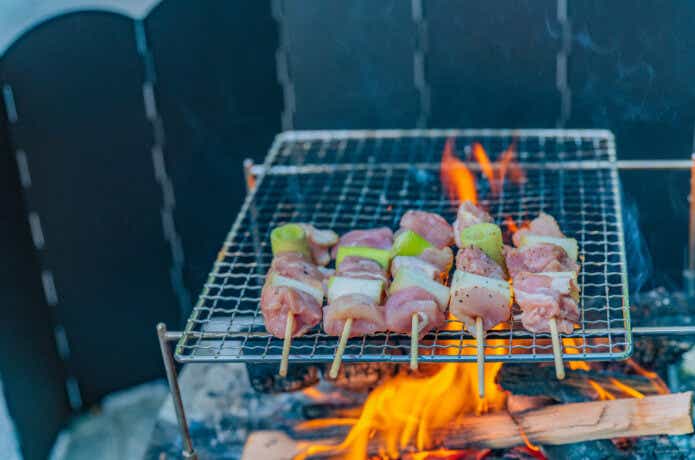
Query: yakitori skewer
x=544, y=269
x=480, y=292
x=422, y=259
x=293, y=292
x=356, y=292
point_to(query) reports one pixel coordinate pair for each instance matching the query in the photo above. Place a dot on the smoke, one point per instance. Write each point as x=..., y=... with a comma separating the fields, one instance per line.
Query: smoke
x=639, y=261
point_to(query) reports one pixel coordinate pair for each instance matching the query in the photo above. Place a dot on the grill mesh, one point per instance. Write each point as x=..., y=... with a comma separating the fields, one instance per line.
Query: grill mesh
x=362, y=179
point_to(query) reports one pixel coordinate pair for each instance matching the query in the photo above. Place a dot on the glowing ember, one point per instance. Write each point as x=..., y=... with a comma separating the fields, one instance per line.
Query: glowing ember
x=458, y=181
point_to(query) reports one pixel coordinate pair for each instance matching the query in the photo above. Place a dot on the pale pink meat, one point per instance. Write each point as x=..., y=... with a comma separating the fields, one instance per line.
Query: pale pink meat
x=401, y=306
x=538, y=258
x=320, y=243
x=416, y=263
x=296, y=266
x=542, y=297
x=478, y=301
x=367, y=318
x=379, y=238
x=361, y=268
x=468, y=214
x=543, y=225
x=472, y=259
x=432, y=227
x=278, y=301
x=442, y=258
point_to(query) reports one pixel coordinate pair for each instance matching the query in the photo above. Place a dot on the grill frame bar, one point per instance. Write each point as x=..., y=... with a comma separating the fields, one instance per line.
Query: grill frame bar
x=541, y=342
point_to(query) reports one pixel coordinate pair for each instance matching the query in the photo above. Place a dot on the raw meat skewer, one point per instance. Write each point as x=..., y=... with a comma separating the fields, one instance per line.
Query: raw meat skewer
x=294, y=282
x=422, y=260
x=544, y=268
x=481, y=296
x=356, y=292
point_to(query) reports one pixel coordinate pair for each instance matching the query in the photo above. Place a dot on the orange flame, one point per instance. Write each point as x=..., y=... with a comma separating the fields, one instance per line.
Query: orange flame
x=459, y=182
x=653, y=377
x=457, y=179
x=486, y=167
x=511, y=225
x=508, y=164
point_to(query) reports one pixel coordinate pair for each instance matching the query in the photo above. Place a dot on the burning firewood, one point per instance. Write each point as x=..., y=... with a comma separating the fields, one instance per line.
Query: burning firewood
x=551, y=425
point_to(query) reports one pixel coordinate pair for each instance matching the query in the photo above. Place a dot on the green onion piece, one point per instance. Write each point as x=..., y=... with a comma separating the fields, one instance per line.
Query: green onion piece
x=487, y=237
x=289, y=238
x=409, y=243
x=381, y=256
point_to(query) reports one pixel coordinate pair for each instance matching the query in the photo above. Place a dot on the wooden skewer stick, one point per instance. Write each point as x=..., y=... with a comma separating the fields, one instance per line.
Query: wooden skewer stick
x=480, y=342
x=557, y=350
x=286, y=344
x=414, y=334
x=335, y=367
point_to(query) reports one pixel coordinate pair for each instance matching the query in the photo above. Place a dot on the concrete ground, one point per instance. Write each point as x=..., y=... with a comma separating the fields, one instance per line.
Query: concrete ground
x=121, y=429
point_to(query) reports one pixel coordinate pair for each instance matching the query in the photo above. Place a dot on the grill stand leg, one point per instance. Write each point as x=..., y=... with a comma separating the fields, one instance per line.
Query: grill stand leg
x=168, y=358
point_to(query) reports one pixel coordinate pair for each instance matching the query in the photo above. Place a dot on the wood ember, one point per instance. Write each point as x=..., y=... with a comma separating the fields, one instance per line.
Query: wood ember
x=264, y=378
x=541, y=381
x=552, y=425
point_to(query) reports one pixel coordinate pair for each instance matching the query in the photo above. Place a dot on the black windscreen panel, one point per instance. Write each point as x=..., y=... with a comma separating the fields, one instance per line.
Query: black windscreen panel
x=33, y=377
x=220, y=102
x=492, y=64
x=631, y=70
x=632, y=67
x=350, y=63
x=77, y=83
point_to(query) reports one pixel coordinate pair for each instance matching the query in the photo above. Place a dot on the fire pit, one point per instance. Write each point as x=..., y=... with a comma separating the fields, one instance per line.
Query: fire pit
x=344, y=180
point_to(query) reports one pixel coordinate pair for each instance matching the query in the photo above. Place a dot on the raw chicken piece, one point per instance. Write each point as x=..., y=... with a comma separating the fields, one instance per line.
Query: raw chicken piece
x=379, y=238
x=538, y=258
x=472, y=259
x=543, y=296
x=401, y=305
x=430, y=226
x=468, y=214
x=543, y=225
x=277, y=301
x=359, y=267
x=367, y=318
x=320, y=243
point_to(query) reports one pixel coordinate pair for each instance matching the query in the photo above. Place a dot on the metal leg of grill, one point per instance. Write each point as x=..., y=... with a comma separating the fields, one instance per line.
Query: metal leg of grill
x=168, y=358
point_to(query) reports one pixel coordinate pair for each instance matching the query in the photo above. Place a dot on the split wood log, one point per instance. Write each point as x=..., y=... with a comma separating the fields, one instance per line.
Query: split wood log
x=576, y=387
x=552, y=425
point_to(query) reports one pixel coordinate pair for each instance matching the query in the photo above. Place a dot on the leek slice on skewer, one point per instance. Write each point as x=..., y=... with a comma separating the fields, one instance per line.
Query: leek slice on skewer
x=380, y=256
x=289, y=238
x=487, y=237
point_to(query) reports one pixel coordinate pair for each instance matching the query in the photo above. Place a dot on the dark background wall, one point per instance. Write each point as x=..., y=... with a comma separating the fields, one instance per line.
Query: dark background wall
x=130, y=135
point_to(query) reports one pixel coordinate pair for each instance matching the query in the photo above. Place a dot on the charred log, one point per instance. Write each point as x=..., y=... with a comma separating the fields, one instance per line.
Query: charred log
x=577, y=387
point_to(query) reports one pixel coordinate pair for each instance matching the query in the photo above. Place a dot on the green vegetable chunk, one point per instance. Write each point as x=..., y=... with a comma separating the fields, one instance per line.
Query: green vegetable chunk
x=289, y=238
x=487, y=237
x=409, y=243
x=380, y=256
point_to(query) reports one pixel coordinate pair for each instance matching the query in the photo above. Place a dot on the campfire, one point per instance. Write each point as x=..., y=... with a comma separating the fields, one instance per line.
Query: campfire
x=438, y=412
x=455, y=390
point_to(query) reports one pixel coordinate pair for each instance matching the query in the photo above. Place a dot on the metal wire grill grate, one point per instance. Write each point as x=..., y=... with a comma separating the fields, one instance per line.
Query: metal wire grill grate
x=362, y=179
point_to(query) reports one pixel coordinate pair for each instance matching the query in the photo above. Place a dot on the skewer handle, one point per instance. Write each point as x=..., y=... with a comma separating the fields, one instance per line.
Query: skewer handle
x=286, y=344
x=480, y=342
x=414, y=334
x=335, y=367
x=557, y=350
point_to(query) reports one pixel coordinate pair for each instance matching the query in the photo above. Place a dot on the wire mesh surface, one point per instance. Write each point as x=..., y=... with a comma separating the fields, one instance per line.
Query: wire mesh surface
x=362, y=179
